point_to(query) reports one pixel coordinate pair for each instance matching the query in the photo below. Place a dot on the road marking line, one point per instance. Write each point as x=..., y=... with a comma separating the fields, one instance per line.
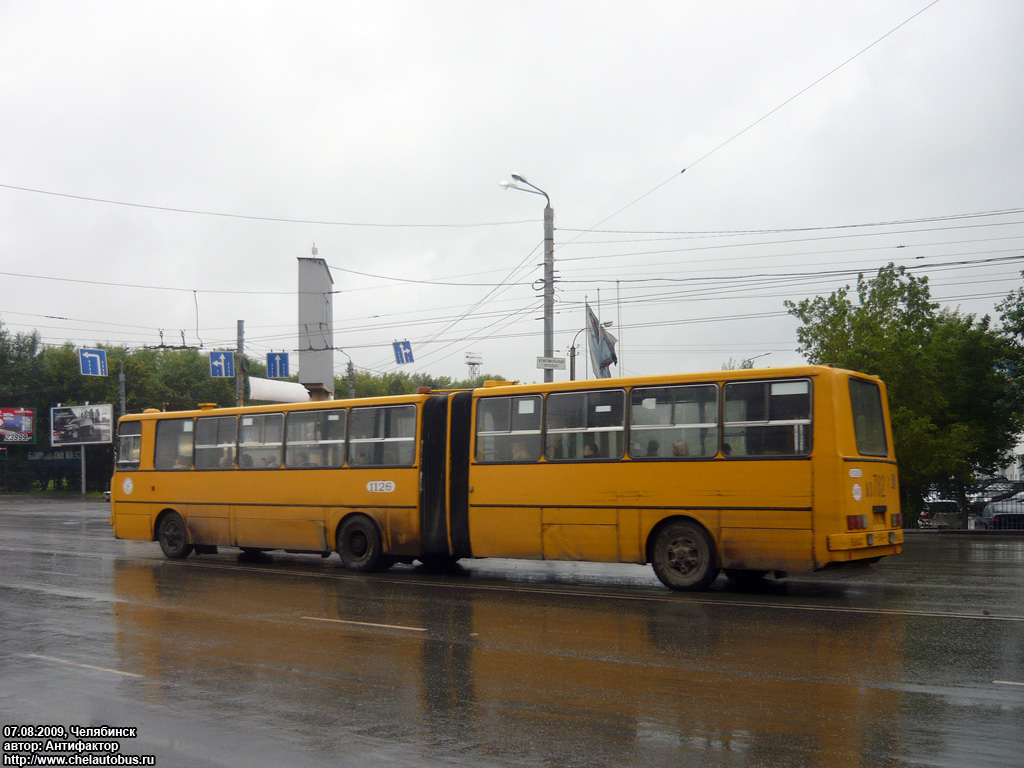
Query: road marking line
x=81, y=666
x=1006, y=682
x=366, y=624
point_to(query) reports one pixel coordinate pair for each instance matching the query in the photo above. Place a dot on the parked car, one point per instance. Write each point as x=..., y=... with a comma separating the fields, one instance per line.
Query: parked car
x=994, y=489
x=1003, y=514
x=941, y=513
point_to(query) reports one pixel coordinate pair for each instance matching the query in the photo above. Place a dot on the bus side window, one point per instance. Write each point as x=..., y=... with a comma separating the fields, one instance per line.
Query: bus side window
x=585, y=425
x=173, y=447
x=316, y=438
x=768, y=418
x=215, y=442
x=260, y=441
x=508, y=429
x=674, y=422
x=382, y=436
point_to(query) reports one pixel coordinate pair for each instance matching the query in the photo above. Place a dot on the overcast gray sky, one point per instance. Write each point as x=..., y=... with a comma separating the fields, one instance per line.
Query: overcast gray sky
x=163, y=165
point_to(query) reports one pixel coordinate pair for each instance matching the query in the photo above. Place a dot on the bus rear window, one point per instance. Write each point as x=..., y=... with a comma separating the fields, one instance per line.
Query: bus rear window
x=868, y=422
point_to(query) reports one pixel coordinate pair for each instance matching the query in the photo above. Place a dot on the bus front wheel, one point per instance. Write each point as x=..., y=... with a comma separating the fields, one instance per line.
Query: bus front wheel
x=173, y=536
x=359, y=544
x=684, y=557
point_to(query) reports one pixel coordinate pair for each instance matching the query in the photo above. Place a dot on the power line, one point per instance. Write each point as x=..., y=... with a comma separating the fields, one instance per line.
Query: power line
x=765, y=116
x=249, y=217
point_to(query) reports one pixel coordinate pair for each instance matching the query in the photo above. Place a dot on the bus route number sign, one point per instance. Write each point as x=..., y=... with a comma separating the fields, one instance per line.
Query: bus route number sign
x=381, y=486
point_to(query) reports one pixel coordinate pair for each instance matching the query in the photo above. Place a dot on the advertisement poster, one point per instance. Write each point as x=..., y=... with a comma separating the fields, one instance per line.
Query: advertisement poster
x=81, y=424
x=17, y=425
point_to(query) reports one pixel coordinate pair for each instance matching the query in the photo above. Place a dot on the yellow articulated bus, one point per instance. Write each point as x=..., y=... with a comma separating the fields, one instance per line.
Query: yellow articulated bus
x=751, y=472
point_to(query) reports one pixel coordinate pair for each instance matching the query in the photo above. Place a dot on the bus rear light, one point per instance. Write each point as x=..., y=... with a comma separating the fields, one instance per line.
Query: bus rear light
x=856, y=522
x=897, y=520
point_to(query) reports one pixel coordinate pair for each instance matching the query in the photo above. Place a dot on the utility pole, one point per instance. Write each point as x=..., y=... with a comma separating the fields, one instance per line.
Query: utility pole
x=120, y=390
x=549, y=286
x=239, y=376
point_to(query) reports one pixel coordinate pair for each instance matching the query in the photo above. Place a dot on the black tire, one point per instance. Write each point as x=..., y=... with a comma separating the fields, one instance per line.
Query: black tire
x=684, y=557
x=359, y=545
x=173, y=536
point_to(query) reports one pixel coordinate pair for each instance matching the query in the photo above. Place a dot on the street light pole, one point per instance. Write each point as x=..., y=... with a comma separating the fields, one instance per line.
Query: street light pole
x=549, y=266
x=572, y=355
x=572, y=352
x=351, y=373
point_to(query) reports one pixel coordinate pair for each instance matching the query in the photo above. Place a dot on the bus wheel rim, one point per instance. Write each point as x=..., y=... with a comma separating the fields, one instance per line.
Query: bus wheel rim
x=173, y=535
x=683, y=555
x=357, y=544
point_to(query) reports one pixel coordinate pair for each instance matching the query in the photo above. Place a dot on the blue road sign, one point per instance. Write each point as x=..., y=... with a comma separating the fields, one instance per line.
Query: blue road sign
x=92, y=362
x=277, y=365
x=222, y=365
x=403, y=352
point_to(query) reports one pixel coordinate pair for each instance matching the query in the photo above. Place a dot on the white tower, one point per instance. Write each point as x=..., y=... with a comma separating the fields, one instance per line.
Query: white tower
x=316, y=327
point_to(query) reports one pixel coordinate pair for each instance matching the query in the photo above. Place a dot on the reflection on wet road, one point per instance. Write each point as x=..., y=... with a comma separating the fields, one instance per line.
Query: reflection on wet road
x=293, y=660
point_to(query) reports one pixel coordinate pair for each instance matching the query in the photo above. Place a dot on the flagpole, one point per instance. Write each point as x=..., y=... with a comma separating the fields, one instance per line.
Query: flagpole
x=586, y=324
x=618, y=320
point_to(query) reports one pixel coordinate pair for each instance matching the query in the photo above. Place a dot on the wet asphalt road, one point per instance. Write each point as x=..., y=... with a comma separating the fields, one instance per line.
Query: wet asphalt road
x=219, y=661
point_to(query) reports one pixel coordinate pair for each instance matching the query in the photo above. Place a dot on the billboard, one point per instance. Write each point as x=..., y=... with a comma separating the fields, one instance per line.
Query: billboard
x=81, y=424
x=17, y=425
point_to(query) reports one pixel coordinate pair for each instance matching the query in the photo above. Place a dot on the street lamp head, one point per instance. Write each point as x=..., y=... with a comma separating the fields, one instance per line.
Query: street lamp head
x=533, y=189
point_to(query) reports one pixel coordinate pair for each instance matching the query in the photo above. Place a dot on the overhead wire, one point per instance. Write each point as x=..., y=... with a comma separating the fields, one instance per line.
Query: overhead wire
x=252, y=217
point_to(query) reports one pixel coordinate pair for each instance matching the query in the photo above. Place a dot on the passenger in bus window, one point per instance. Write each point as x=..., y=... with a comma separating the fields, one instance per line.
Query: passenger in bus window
x=301, y=459
x=679, y=448
x=590, y=451
x=520, y=452
x=652, y=448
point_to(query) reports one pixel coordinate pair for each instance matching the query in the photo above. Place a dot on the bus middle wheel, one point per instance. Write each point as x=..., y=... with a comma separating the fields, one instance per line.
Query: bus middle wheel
x=684, y=557
x=359, y=544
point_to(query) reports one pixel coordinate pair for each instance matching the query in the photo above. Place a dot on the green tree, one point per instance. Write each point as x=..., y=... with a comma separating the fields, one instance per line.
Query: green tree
x=1011, y=315
x=952, y=405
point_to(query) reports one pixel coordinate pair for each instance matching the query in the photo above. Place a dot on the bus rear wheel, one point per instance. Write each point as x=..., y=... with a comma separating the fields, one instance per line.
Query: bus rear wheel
x=173, y=536
x=359, y=545
x=684, y=557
